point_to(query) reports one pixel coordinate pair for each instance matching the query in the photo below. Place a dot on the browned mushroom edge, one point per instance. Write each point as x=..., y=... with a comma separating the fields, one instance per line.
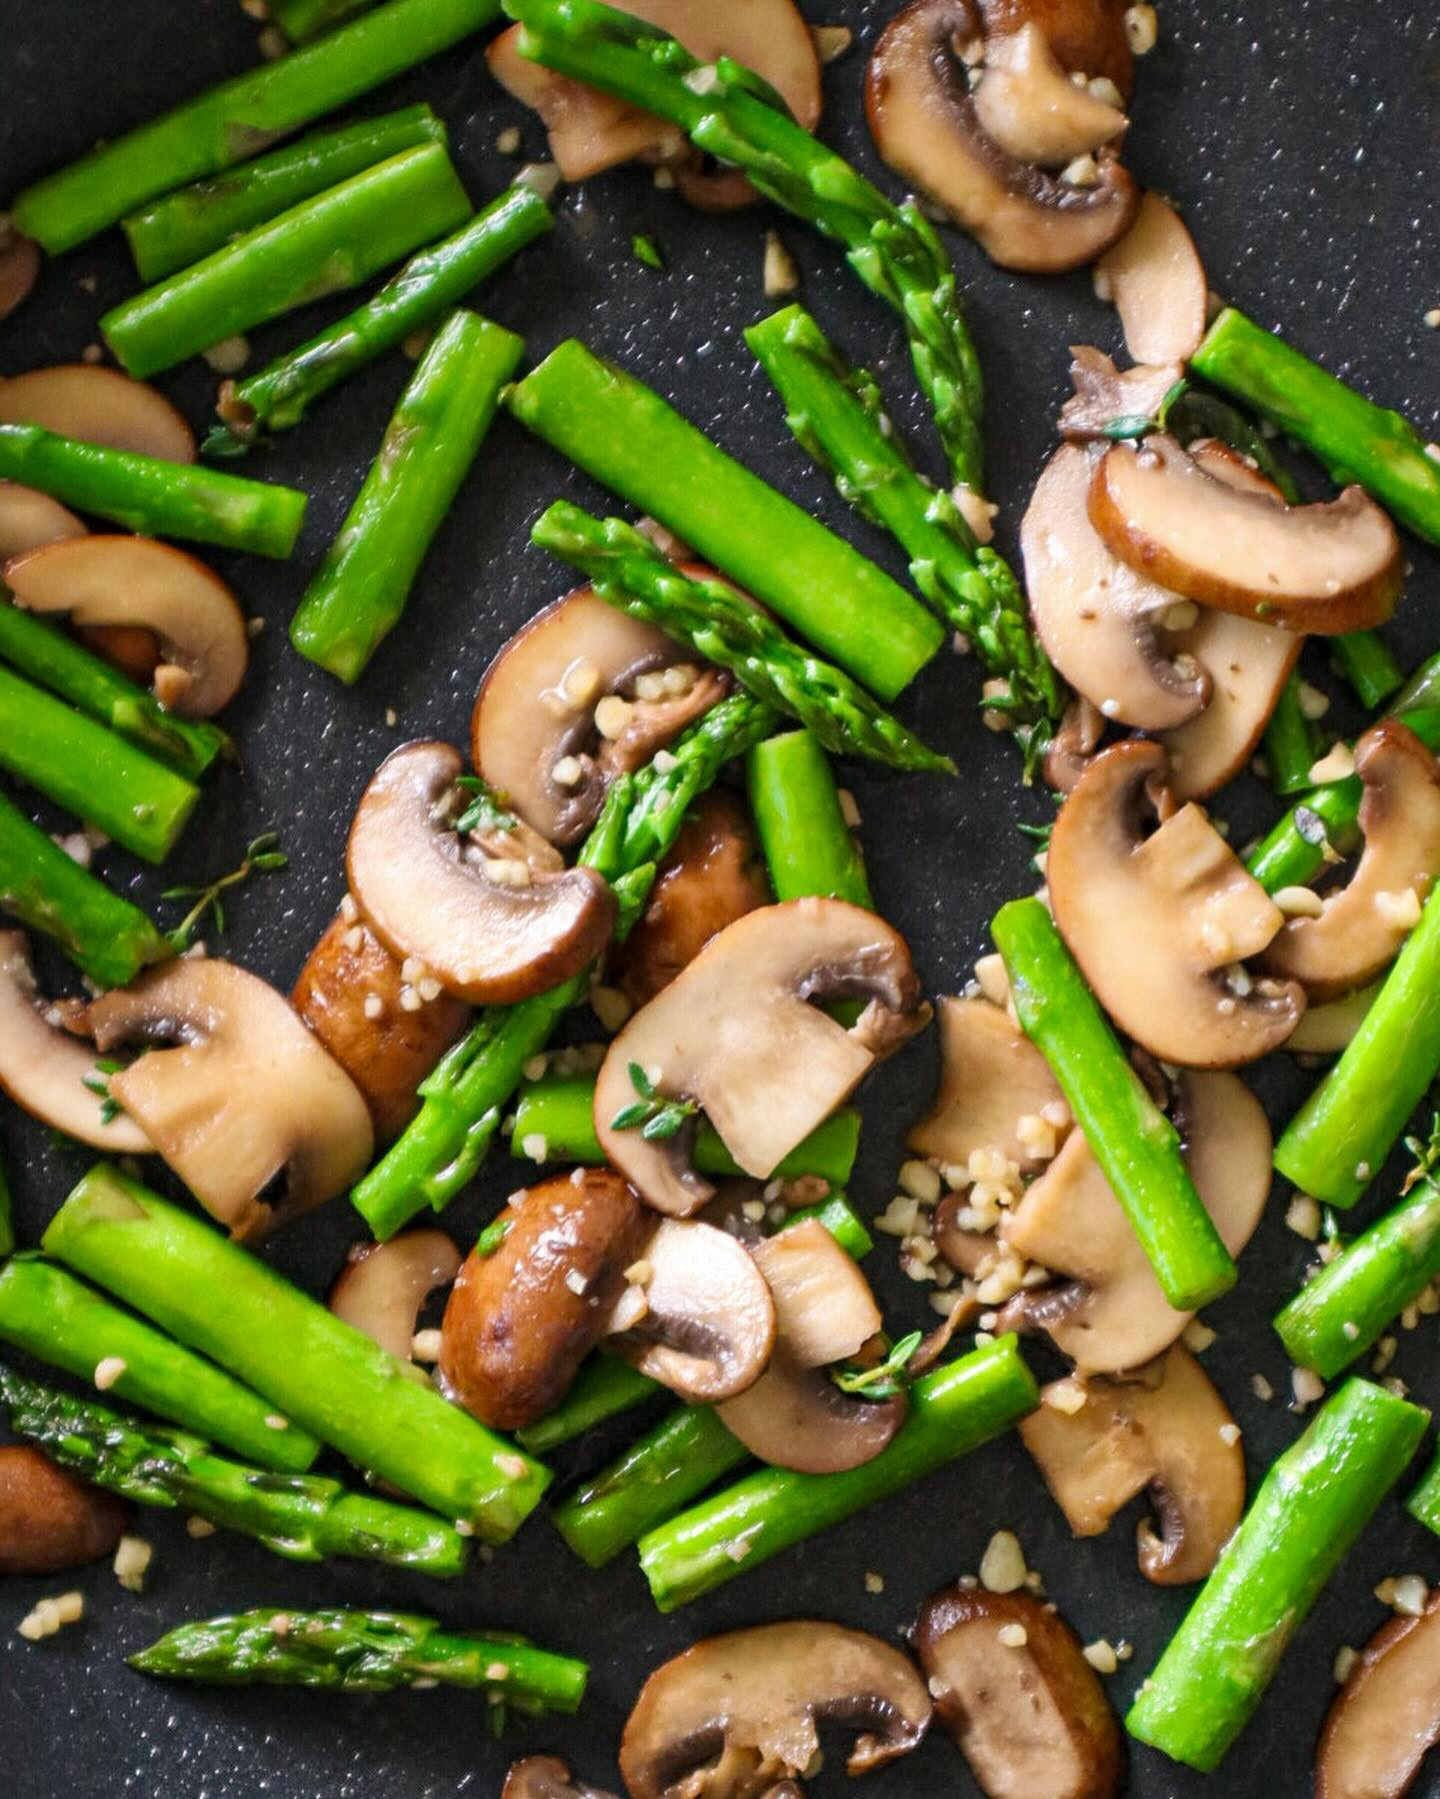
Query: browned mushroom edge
x=1156, y=279
x=1386, y=1717
x=546, y=1777
x=99, y=406
x=991, y=1076
x=49, y=1520
x=383, y=1286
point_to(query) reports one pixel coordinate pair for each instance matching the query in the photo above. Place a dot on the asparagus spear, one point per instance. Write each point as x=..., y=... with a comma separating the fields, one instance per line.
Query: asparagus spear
x=360, y=590
x=952, y=1410
x=279, y=395
x=1365, y=660
x=626, y=436
x=1136, y=1145
x=626, y=569
x=809, y=848
x=1424, y=1503
x=1292, y=741
x=182, y=227
x=1341, y=1312
x=162, y=499
x=331, y=1379
x=51, y=1315
x=1355, y=439
x=324, y=245
x=1312, y=1505
x=729, y=113
x=91, y=771
x=240, y=117
x=301, y=19
x=304, y=1517
x=364, y=1652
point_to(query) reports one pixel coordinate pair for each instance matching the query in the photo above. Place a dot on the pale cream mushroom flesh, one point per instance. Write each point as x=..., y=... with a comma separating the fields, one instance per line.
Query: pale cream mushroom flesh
x=245, y=1096
x=736, y=1035
x=1156, y=279
x=1104, y=394
x=1030, y=108
x=383, y=1286
x=991, y=1076
x=1161, y=925
x=1327, y=1028
x=1386, y=1717
x=29, y=519
x=99, y=406
x=1171, y=1434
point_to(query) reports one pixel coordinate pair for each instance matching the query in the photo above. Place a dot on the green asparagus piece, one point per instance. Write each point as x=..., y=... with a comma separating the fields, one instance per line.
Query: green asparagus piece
x=1424, y=1503
x=301, y=19
x=325, y=245
x=161, y=499
x=1312, y=1505
x=730, y=113
x=183, y=227
x=364, y=1652
x=360, y=590
x=626, y=436
x=809, y=848
x=952, y=1410
x=45, y=654
x=1366, y=662
x=92, y=772
x=1292, y=741
x=279, y=395
x=1136, y=1145
x=304, y=1517
x=51, y=1315
x=331, y=1379
x=106, y=937
x=1341, y=1312
x=240, y=117
x=7, y=1214
x=1355, y=439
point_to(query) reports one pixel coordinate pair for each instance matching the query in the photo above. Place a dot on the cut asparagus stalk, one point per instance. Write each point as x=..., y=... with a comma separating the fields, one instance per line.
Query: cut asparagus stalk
x=363, y=1652
x=161, y=499
x=92, y=772
x=183, y=227
x=1365, y=660
x=331, y=1379
x=301, y=19
x=240, y=117
x=279, y=395
x=51, y=1315
x=1136, y=1145
x=625, y=568
x=808, y=845
x=1424, y=1503
x=1292, y=742
x=303, y=1517
x=333, y=241
x=635, y=443
x=360, y=590
x=952, y=1410
x=1312, y=1505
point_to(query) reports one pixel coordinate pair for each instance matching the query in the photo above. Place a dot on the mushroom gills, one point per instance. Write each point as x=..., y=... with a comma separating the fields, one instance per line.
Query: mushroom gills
x=1386, y=1717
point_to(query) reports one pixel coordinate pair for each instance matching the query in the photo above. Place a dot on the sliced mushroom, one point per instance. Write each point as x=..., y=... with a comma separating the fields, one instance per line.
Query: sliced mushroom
x=737, y=1713
x=245, y=1095
x=1331, y=566
x=1085, y=36
x=1104, y=394
x=487, y=928
x=1074, y=743
x=1025, y=1707
x=383, y=1286
x=1106, y=1310
x=1386, y=1717
x=1160, y=924
x=522, y=1319
x=991, y=1076
x=1030, y=108
x=44, y=1068
x=924, y=120
x=105, y=581
x=49, y=1520
x=29, y=519
x=546, y=1777
x=1157, y=281
x=737, y=1036
x=1326, y=1029
x=1174, y=1436
x=537, y=706
x=99, y=406
x=19, y=268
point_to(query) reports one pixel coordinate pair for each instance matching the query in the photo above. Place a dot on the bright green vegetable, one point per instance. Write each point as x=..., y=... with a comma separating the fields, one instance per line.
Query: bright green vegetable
x=1292, y=741
x=1424, y=1503
x=301, y=19
x=1366, y=661
x=809, y=848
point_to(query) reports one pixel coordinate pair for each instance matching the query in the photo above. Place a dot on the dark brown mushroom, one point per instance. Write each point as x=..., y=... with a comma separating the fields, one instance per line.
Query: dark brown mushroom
x=1104, y=394
x=1157, y=281
x=991, y=1076
x=546, y=1777
x=383, y=1286
x=49, y=1520
x=1386, y=1717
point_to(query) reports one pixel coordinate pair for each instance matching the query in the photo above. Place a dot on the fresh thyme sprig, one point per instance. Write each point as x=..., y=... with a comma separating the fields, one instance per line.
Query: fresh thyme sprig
x=484, y=813
x=262, y=856
x=886, y=1379
x=99, y=1084
x=655, y=1116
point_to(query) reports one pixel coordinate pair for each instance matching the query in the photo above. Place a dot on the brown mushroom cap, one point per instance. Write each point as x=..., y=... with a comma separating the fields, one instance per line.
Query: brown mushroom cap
x=1155, y=921
x=246, y=1093
x=29, y=518
x=546, y=1777
x=99, y=406
x=738, y=1712
x=1165, y=1436
x=382, y=1286
x=1158, y=284
x=991, y=1076
x=1386, y=1717
x=1030, y=108
x=49, y=1520
x=736, y=1035
x=1030, y=1719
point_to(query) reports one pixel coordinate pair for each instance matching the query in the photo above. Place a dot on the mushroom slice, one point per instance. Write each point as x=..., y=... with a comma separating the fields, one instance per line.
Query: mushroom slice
x=44, y=1068
x=486, y=927
x=736, y=1714
x=1366, y=922
x=136, y=583
x=1157, y=281
x=245, y=1094
x=1089, y=36
x=1098, y=619
x=1029, y=1714
x=1104, y=393
x=823, y=1303
x=1386, y=1717
x=1156, y=922
x=382, y=1286
x=1332, y=566
x=537, y=706
x=991, y=1076
x=546, y=1777
x=1107, y=1311
x=1326, y=1029
x=1073, y=744
x=1030, y=108
x=736, y=1036
x=925, y=124
x=1248, y=664
x=29, y=518
x=99, y=406
x=19, y=268
x=1165, y=1435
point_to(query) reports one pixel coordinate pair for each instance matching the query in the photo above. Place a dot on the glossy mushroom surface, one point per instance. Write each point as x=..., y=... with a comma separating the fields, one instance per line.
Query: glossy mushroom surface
x=991, y=1076
x=99, y=406
x=1157, y=281
x=1386, y=1717
x=383, y=1286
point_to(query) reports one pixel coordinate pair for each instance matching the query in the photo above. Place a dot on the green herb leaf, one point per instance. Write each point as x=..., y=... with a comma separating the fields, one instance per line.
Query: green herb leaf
x=493, y=1235
x=629, y=1116
x=641, y=1081
x=646, y=250
x=484, y=813
x=263, y=855
x=885, y=1379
